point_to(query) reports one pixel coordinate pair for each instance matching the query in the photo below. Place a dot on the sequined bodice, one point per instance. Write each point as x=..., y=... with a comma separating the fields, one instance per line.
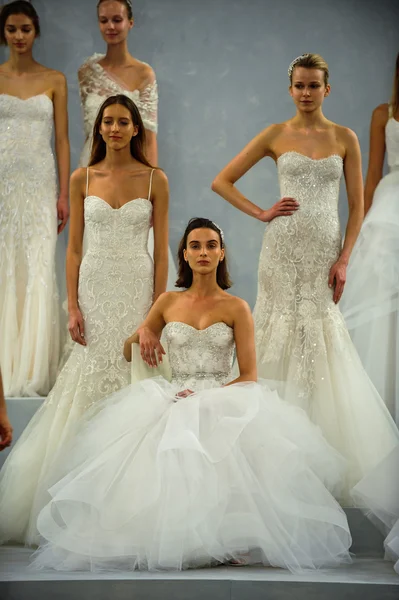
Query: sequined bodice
x=26, y=128
x=392, y=143
x=315, y=185
x=117, y=233
x=199, y=358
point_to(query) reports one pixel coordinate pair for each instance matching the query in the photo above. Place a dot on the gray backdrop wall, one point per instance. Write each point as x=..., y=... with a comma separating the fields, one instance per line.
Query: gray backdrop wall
x=221, y=67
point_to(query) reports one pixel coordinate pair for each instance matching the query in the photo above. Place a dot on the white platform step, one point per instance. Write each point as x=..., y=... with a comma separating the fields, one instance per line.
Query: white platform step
x=365, y=579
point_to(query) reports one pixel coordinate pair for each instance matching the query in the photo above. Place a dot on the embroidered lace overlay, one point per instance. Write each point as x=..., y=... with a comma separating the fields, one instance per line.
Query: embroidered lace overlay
x=199, y=358
x=294, y=310
x=29, y=311
x=96, y=85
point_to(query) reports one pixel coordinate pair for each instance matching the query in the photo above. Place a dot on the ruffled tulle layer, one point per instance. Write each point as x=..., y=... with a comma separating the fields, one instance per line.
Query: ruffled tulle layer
x=370, y=303
x=316, y=357
x=25, y=476
x=151, y=483
x=378, y=495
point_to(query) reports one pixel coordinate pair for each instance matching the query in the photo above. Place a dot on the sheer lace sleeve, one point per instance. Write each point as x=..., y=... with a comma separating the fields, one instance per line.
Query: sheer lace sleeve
x=148, y=102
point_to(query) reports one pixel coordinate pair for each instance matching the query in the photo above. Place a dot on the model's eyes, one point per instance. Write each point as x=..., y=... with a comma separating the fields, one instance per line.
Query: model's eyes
x=312, y=85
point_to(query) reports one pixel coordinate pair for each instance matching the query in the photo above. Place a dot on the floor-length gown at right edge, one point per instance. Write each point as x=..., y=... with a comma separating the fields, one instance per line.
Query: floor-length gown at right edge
x=370, y=303
x=301, y=337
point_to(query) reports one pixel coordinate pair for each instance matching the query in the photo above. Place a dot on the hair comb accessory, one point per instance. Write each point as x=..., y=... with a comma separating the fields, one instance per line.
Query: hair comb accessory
x=296, y=61
x=220, y=231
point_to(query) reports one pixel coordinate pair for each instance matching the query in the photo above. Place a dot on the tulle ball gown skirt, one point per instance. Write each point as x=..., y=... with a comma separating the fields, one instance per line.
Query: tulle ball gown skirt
x=154, y=483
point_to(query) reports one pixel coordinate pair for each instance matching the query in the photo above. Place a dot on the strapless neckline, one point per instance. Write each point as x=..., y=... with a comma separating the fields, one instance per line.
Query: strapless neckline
x=123, y=205
x=308, y=157
x=27, y=99
x=221, y=323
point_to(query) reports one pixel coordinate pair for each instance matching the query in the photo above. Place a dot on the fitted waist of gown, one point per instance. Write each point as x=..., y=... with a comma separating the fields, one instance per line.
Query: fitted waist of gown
x=198, y=381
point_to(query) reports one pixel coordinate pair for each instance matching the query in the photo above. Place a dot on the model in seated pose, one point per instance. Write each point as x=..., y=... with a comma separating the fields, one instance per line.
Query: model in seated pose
x=191, y=469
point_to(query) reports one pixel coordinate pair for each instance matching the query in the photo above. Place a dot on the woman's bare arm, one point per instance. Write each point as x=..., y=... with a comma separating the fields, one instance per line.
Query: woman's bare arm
x=376, y=154
x=160, y=202
x=151, y=147
x=244, y=338
x=224, y=183
x=354, y=188
x=62, y=149
x=75, y=240
x=151, y=328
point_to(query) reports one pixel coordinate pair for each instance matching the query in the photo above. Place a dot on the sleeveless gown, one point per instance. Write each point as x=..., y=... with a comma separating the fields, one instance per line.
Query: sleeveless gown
x=29, y=307
x=97, y=85
x=157, y=482
x=301, y=336
x=370, y=303
x=115, y=294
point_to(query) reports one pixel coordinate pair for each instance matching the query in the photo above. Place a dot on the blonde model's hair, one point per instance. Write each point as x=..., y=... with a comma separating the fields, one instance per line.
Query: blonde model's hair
x=309, y=61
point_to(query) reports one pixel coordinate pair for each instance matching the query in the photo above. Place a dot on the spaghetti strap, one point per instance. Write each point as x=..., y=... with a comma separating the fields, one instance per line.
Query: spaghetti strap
x=149, y=190
x=87, y=181
x=390, y=111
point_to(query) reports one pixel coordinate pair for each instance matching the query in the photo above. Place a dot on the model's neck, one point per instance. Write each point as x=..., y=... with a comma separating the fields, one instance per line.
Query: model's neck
x=117, y=54
x=311, y=120
x=118, y=159
x=21, y=63
x=204, y=285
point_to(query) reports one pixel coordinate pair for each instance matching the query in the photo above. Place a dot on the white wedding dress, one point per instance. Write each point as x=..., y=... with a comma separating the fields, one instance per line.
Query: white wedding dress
x=115, y=293
x=29, y=306
x=370, y=303
x=301, y=336
x=156, y=482
x=96, y=84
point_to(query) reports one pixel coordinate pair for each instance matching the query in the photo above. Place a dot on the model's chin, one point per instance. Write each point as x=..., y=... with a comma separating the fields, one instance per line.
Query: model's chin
x=117, y=39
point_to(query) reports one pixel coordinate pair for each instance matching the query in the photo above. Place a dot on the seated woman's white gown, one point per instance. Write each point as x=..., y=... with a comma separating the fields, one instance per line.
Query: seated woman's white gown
x=156, y=482
x=370, y=303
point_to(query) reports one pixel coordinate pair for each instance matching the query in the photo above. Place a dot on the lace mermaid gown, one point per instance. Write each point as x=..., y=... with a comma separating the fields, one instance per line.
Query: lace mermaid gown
x=95, y=86
x=370, y=303
x=29, y=311
x=155, y=482
x=115, y=294
x=301, y=337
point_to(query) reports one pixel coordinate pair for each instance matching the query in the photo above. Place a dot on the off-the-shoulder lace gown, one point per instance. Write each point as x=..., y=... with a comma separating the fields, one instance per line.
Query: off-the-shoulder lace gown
x=301, y=336
x=96, y=84
x=29, y=304
x=153, y=481
x=115, y=293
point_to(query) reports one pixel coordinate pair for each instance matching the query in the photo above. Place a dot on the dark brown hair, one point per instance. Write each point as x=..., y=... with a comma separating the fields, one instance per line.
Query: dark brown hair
x=185, y=274
x=19, y=7
x=137, y=143
x=126, y=3
x=395, y=91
